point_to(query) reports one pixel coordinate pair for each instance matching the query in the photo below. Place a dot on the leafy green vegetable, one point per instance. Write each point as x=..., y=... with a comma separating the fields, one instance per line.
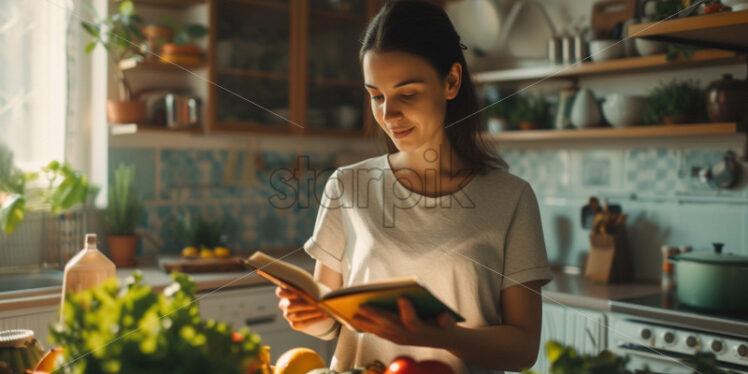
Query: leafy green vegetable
x=124, y=209
x=130, y=329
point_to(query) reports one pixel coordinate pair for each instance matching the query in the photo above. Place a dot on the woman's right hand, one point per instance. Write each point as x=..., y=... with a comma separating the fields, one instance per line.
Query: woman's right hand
x=299, y=313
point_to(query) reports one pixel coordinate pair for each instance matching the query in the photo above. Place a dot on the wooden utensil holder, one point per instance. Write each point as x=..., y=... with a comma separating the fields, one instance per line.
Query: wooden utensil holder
x=609, y=260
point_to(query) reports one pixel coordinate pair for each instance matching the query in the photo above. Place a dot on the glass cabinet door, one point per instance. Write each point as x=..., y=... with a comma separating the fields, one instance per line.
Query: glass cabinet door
x=335, y=89
x=252, y=64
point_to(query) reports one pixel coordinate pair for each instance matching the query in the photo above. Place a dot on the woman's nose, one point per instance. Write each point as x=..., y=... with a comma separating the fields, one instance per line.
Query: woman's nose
x=390, y=110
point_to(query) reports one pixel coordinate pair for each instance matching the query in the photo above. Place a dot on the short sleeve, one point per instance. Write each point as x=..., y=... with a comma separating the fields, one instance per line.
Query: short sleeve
x=327, y=243
x=525, y=257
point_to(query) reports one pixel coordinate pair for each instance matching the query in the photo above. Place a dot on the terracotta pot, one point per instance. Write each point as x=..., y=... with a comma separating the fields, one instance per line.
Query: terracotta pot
x=181, y=49
x=125, y=111
x=727, y=99
x=524, y=125
x=122, y=249
x=156, y=36
x=676, y=120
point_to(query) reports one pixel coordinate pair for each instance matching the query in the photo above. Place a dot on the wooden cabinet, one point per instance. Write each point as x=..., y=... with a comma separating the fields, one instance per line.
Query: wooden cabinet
x=287, y=66
x=257, y=308
x=584, y=329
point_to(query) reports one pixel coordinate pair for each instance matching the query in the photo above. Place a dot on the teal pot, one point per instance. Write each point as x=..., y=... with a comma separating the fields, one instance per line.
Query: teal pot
x=712, y=280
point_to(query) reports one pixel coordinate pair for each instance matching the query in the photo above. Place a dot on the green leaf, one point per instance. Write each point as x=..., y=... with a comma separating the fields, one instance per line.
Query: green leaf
x=196, y=30
x=12, y=212
x=126, y=8
x=90, y=47
x=92, y=29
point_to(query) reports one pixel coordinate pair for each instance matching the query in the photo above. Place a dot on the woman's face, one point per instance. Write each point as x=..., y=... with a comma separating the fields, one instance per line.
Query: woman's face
x=409, y=98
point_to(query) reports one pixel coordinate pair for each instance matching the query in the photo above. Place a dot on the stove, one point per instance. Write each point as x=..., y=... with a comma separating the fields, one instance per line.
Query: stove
x=659, y=332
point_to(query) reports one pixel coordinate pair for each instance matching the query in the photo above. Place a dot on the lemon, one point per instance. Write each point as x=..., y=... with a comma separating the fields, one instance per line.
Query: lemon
x=222, y=252
x=298, y=361
x=207, y=253
x=189, y=252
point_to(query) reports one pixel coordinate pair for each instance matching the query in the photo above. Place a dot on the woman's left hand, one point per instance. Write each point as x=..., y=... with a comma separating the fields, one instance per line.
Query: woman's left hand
x=405, y=328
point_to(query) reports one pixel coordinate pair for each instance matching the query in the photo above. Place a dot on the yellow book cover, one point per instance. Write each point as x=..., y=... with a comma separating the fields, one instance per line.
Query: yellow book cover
x=343, y=303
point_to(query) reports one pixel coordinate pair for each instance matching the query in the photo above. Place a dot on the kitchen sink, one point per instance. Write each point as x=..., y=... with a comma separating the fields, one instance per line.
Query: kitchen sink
x=30, y=282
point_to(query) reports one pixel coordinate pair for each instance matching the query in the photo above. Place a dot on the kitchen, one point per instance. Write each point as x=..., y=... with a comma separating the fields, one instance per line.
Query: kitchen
x=230, y=135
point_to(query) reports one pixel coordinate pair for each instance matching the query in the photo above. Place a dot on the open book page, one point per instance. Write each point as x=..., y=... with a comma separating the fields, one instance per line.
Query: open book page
x=284, y=274
x=384, y=285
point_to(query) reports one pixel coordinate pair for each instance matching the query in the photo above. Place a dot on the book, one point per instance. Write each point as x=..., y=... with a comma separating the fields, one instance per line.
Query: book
x=344, y=302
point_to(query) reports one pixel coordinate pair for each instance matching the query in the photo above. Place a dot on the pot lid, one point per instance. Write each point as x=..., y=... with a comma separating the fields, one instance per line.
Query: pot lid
x=714, y=258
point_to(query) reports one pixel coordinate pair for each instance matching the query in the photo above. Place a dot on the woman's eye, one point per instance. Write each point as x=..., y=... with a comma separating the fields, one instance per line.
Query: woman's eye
x=408, y=96
x=377, y=97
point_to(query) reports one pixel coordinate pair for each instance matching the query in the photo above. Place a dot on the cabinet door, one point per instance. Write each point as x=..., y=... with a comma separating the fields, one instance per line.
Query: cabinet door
x=335, y=90
x=252, y=65
x=37, y=320
x=257, y=308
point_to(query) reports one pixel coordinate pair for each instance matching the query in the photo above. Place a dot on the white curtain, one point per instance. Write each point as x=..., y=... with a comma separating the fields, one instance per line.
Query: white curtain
x=33, y=80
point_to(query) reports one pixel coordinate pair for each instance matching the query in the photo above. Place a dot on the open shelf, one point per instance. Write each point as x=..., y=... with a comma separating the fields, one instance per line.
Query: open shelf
x=633, y=132
x=130, y=65
x=134, y=128
x=264, y=3
x=253, y=73
x=347, y=133
x=721, y=30
x=631, y=64
x=171, y=3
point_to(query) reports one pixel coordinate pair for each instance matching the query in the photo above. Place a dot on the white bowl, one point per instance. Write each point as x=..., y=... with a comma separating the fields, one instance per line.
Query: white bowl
x=623, y=110
x=649, y=47
x=605, y=49
x=736, y=5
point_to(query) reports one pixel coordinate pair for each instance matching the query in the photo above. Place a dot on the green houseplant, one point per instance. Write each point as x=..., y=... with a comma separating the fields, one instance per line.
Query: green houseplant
x=529, y=112
x=122, y=38
x=668, y=9
x=675, y=102
x=121, y=216
x=128, y=328
x=65, y=189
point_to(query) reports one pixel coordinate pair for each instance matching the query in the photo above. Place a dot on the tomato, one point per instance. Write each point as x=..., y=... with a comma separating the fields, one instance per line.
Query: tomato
x=406, y=365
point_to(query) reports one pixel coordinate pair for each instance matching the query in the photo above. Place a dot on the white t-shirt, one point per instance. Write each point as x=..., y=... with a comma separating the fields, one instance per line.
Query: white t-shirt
x=370, y=227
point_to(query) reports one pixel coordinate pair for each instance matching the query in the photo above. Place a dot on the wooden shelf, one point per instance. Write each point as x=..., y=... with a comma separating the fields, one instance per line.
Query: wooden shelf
x=346, y=133
x=170, y=3
x=631, y=64
x=340, y=16
x=264, y=3
x=129, y=65
x=257, y=127
x=721, y=30
x=134, y=128
x=337, y=82
x=667, y=131
x=253, y=73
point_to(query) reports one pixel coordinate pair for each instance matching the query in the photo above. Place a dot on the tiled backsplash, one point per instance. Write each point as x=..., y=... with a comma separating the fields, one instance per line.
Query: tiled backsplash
x=654, y=185
x=665, y=204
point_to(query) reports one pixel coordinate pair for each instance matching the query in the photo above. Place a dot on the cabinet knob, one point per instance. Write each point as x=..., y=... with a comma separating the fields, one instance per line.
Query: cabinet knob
x=692, y=342
x=646, y=333
x=742, y=350
x=717, y=346
x=669, y=337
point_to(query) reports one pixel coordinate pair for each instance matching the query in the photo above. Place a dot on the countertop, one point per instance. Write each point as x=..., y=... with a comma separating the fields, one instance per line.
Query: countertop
x=566, y=289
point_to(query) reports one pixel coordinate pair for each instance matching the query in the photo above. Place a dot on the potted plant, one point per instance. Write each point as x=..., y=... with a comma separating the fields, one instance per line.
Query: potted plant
x=200, y=237
x=529, y=112
x=122, y=215
x=183, y=50
x=675, y=102
x=121, y=36
x=65, y=189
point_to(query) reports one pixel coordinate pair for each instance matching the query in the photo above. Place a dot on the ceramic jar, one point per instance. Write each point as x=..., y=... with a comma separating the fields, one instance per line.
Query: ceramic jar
x=727, y=99
x=585, y=111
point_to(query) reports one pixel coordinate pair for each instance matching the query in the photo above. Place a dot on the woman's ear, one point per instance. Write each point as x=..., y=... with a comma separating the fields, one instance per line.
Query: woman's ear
x=454, y=80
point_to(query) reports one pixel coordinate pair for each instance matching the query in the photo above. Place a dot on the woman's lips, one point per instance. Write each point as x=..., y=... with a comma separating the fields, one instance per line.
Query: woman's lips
x=402, y=133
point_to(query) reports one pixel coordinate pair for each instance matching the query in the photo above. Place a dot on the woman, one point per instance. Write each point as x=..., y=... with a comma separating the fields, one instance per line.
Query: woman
x=438, y=206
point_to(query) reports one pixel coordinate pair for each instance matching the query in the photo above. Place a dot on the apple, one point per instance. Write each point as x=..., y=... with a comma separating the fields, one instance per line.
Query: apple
x=407, y=365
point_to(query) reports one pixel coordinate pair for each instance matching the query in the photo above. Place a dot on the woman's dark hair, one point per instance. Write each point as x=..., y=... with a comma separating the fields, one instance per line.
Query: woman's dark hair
x=423, y=29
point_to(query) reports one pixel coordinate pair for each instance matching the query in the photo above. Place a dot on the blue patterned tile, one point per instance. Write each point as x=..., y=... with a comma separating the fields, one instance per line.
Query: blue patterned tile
x=651, y=171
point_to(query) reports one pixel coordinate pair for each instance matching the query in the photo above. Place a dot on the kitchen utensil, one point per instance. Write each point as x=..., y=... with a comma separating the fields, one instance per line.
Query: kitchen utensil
x=606, y=14
x=623, y=110
x=182, y=110
x=736, y=5
x=712, y=280
x=605, y=49
x=554, y=50
x=567, y=49
x=725, y=174
x=593, y=207
x=581, y=50
x=563, y=108
x=727, y=99
x=585, y=111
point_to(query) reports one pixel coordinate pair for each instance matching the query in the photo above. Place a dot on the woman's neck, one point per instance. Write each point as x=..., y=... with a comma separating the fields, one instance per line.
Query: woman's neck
x=429, y=159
